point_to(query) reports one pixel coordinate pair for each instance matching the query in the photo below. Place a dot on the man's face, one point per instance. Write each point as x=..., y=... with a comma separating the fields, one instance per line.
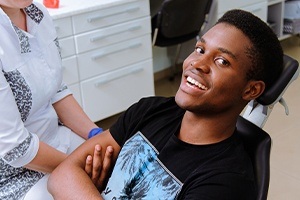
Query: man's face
x=214, y=75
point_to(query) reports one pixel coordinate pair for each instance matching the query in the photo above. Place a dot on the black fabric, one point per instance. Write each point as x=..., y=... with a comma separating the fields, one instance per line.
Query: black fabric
x=216, y=171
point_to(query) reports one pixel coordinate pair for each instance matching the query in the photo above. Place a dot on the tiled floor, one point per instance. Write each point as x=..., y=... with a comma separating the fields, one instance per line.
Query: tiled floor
x=284, y=130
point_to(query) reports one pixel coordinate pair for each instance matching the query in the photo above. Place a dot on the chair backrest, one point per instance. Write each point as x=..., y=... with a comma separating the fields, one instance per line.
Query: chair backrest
x=178, y=21
x=257, y=142
x=289, y=74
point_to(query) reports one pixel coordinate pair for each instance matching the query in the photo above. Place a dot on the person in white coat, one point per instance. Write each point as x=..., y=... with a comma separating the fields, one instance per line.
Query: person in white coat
x=41, y=122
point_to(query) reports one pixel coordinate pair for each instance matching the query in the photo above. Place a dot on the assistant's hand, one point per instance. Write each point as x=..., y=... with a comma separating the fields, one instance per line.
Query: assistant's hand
x=99, y=168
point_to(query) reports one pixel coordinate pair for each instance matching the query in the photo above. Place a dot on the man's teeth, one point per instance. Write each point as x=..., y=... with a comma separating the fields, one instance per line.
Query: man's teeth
x=196, y=83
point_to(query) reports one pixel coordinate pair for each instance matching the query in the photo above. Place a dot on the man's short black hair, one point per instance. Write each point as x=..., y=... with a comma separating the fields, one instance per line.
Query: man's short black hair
x=266, y=54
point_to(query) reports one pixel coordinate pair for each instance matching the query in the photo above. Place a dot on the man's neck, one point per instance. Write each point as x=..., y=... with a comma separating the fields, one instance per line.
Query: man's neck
x=197, y=129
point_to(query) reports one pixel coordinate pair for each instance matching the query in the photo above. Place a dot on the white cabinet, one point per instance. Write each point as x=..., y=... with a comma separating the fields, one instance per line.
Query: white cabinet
x=276, y=16
x=270, y=11
x=257, y=7
x=114, y=91
x=107, y=56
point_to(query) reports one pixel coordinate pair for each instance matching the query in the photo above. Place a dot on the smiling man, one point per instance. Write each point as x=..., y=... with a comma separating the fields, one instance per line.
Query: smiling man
x=185, y=147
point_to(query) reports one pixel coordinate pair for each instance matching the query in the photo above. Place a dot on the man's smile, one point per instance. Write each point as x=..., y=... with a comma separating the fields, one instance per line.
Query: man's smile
x=193, y=82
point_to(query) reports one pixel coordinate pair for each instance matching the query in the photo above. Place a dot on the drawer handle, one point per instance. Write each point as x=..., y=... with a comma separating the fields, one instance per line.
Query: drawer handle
x=100, y=37
x=100, y=55
x=95, y=18
x=255, y=10
x=118, y=76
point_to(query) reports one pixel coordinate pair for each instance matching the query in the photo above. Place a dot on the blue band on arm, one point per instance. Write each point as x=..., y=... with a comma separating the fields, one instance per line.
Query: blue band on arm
x=95, y=131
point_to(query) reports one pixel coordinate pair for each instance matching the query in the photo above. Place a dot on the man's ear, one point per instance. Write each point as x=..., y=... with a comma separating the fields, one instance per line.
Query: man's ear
x=253, y=90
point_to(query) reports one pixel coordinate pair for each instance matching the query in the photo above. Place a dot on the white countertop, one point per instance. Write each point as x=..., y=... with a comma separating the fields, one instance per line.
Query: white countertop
x=73, y=7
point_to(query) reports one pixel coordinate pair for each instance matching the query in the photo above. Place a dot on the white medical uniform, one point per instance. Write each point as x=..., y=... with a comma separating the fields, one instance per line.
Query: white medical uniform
x=30, y=82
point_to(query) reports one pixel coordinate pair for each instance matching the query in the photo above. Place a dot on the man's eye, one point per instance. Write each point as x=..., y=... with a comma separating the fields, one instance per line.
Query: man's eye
x=222, y=61
x=199, y=50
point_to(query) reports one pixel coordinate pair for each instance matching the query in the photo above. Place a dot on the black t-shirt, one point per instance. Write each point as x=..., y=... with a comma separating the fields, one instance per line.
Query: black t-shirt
x=154, y=163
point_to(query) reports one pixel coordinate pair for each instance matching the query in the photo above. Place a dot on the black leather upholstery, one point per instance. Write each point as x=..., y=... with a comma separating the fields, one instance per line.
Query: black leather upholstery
x=290, y=68
x=257, y=143
x=179, y=20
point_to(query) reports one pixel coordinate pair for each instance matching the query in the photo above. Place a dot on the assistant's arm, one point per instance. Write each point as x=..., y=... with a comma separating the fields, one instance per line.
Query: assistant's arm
x=46, y=159
x=72, y=115
x=20, y=147
x=69, y=180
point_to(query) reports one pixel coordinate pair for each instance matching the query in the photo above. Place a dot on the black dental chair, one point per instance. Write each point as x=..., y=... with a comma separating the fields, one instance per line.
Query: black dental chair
x=178, y=21
x=257, y=142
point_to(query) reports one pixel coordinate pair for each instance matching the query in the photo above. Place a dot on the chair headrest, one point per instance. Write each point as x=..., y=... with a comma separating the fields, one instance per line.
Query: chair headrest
x=290, y=73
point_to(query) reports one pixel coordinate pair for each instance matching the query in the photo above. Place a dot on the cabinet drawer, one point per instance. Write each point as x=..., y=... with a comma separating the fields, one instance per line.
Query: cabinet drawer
x=109, y=16
x=63, y=27
x=67, y=47
x=224, y=5
x=259, y=9
x=70, y=70
x=114, y=92
x=113, y=34
x=114, y=56
x=75, y=88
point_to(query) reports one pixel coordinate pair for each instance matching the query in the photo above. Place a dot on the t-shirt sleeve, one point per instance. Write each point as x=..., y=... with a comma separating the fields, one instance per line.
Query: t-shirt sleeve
x=224, y=186
x=133, y=118
x=130, y=118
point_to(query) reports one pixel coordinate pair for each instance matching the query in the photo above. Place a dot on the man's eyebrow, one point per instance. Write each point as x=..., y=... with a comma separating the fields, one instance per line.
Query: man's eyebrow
x=201, y=40
x=223, y=50
x=226, y=51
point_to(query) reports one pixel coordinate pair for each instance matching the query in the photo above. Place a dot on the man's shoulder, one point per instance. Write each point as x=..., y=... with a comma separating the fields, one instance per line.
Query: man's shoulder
x=156, y=100
x=154, y=103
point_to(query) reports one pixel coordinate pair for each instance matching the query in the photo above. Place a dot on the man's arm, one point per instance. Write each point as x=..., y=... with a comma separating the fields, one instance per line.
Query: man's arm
x=99, y=169
x=70, y=180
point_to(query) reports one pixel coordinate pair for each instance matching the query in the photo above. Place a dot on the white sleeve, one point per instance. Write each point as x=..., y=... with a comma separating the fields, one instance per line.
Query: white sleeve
x=17, y=146
x=61, y=93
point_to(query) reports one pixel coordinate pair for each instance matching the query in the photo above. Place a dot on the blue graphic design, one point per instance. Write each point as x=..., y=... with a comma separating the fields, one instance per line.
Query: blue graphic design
x=138, y=174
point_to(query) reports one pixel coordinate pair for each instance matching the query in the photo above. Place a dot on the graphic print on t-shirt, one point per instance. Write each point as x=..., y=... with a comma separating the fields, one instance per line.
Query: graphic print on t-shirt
x=138, y=174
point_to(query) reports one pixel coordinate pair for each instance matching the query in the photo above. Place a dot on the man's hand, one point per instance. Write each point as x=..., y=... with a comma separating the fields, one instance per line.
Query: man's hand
x=99, y=169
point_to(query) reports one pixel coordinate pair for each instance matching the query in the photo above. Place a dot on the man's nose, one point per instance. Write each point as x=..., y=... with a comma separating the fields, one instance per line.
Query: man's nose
x=201, y=65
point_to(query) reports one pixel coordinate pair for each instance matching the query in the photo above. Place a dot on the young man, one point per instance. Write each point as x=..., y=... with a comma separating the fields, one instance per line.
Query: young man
x=186, y=147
